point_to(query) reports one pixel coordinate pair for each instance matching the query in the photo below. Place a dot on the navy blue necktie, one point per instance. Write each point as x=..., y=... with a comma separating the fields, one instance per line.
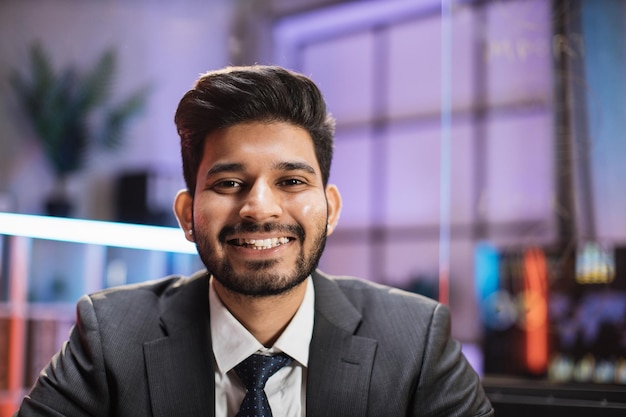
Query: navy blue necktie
x=254, y=373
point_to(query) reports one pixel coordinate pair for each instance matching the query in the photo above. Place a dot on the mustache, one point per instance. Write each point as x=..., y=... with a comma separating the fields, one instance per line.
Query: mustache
x=249, y=227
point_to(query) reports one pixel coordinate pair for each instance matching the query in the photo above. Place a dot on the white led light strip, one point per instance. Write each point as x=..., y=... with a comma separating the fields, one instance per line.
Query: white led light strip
x=165, y=239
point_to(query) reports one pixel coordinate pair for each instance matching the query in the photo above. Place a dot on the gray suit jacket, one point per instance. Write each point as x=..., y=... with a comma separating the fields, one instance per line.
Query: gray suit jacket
x=145, y=350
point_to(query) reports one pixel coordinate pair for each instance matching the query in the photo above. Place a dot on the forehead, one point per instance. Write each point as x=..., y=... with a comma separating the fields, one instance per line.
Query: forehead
x=257, y=143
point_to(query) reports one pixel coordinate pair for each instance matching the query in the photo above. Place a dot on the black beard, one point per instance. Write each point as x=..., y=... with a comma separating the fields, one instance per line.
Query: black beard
x=261, y=283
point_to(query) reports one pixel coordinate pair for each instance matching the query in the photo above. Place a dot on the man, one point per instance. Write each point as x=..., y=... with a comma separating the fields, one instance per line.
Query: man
x=256, y=147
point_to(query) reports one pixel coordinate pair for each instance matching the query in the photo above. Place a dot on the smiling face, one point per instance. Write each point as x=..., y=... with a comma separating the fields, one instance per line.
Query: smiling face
x=260, y=212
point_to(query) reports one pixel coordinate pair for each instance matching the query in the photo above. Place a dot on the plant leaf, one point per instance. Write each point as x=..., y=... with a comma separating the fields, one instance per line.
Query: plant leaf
x=95, y=88
x=119, y=116
x=63, y=108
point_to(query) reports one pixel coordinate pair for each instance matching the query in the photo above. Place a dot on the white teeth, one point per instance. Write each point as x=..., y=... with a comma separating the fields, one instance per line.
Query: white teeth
x=265, y=243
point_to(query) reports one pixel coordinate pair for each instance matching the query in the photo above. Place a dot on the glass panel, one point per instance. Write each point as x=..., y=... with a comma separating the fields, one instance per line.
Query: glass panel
x=517, y=52
x=413, y=174
x=415, y=71
x=415, y=68
x=404, y=269
x=59, y=272
x=129, y=266
x=520, y=168
x=342, y=67
x=537, y=235
x=351, y=172
x=348, y=255
x=411, y=192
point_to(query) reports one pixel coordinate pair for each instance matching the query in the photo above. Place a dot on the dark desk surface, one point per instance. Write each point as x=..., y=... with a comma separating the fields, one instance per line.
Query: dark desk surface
x=513, y=397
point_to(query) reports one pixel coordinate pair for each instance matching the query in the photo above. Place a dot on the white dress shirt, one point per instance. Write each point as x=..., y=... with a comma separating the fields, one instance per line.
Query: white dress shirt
x=232, y=343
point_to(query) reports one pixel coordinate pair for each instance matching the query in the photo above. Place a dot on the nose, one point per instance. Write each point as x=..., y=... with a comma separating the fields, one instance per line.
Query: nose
x=261, y=203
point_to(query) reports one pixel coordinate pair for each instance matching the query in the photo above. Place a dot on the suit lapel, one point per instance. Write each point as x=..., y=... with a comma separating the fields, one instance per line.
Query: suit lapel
x=340, y=363
x=179, y=366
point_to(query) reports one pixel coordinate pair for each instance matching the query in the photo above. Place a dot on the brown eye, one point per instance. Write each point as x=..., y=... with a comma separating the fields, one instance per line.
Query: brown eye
x=226, y=186
x=229, y=184
x=291, y=181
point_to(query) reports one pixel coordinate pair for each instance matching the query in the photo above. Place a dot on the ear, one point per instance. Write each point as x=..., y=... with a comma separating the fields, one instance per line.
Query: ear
x=333, y=200
x=183, y=209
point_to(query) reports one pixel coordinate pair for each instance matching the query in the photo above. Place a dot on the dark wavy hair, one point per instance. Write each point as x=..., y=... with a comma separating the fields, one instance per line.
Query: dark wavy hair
x=226, y=97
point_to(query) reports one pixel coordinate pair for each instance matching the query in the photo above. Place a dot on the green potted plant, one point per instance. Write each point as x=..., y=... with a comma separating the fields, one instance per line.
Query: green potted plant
x=71, y=113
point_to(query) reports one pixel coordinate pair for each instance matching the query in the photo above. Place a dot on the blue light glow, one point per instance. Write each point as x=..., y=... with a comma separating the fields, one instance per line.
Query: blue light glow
x=166, y=239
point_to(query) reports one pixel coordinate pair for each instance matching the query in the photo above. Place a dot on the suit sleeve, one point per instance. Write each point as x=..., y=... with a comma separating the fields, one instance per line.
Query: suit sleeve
x=74, y=382
x=448, y=386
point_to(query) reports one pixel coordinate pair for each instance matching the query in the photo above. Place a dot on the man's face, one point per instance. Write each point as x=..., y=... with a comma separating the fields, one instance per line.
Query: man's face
x=260, y=210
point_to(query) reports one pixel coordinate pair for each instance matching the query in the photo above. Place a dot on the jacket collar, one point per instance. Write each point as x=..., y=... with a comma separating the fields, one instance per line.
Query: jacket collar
x=182, y=358
x=338, y=358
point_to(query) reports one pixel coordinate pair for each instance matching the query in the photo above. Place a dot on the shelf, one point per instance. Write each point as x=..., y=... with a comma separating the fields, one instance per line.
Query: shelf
x=47, y=263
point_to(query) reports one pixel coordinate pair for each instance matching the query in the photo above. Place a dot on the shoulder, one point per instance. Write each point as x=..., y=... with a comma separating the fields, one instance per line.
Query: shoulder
x=152, y=289
x=145, y=300
x=129, y=315
x=369, y=294
x=376, y=303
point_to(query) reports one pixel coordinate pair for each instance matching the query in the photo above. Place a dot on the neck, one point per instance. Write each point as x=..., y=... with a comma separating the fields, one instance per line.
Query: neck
x=264, y=317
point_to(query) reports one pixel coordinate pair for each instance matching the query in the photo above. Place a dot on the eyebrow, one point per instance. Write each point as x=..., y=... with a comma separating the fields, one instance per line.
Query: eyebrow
x=280, y=166
x=295, y=166
x=225, y=167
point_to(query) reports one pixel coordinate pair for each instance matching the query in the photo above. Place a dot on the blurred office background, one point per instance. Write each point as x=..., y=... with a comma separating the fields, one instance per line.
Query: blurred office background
x=479, y=148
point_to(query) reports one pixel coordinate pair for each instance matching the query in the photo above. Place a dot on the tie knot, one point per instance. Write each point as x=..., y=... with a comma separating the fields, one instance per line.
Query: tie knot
x=255, y=370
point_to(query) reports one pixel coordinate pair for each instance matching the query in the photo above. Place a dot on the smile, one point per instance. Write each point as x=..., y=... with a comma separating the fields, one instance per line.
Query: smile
x=260, y=244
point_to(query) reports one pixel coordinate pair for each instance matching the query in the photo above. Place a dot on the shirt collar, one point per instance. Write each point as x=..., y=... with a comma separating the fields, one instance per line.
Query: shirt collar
x=232, y=342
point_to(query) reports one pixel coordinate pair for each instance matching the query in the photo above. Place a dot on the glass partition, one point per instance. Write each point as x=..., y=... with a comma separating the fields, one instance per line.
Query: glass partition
x=478, y=150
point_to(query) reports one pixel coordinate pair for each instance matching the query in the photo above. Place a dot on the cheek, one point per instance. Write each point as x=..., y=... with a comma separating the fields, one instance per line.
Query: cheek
x=308, y=210
x=206, y=218
x=313, y=210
